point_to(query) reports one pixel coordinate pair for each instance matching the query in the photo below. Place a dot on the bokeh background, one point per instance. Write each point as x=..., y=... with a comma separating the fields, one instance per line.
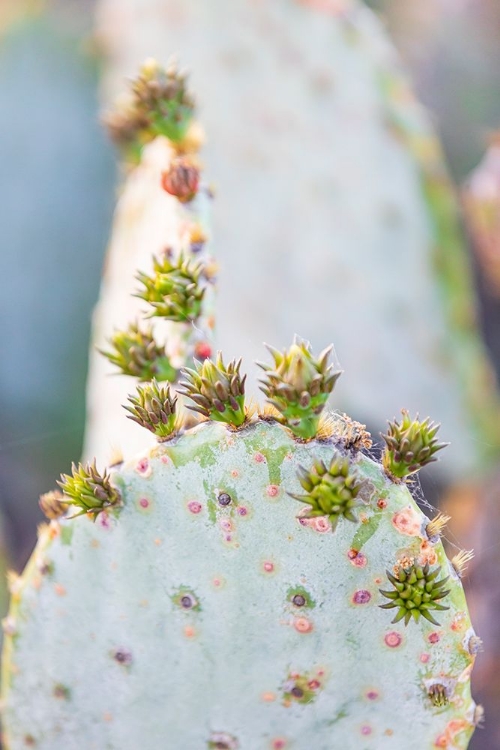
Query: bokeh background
x=57, y=192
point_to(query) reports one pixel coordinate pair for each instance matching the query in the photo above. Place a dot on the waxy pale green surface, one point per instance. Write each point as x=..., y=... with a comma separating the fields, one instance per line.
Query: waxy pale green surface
x=103, y=655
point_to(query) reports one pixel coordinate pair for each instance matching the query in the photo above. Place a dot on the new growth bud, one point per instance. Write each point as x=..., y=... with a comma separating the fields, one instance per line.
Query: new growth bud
x=298, y=386
x=330, y=491
x=88, y=490
x=217, y=391
x=135, y=352
x=158, y=103
x=154, y=408
x=416, y=591
x=182, y=178
x=410, y=445
x=174, y=290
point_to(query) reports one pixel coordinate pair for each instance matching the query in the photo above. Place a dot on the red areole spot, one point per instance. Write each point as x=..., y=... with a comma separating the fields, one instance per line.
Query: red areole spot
x=144, y=502
x=361, y=597
x=194, y=506
x=393, y=639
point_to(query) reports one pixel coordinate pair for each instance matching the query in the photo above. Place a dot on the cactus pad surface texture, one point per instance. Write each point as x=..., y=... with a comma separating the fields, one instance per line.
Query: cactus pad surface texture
x=240, y=587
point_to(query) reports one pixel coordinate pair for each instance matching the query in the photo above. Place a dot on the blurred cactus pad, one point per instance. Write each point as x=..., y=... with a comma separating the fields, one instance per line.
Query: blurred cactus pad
x=242, y=587
x=334, y=209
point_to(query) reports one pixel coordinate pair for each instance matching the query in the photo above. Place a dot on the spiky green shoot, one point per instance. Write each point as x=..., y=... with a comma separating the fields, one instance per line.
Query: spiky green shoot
x=410, y=445
x=217, y=391
x=416, y=591
x=174, y=290
x=135, y=352
x=298, y=386
x=88, y=490
x=52, y=504
x=159, y=104
x=154, y=408
x=330, y=491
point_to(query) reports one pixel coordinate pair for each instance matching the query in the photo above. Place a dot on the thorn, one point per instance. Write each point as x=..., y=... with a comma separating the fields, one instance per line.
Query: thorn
x=436, y=526
x=461, y=560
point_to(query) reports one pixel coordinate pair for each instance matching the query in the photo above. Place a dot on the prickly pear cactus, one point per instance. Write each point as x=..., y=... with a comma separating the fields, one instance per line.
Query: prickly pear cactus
x=243, y=587
x=338, y=198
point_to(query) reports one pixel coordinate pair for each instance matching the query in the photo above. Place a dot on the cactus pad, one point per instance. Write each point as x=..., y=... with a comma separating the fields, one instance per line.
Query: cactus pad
x=209, y=609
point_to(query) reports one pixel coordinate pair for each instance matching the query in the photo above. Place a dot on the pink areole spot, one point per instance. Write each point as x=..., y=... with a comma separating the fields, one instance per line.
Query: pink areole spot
x=272, y=490
x=302, y=625
x=358, y=559
x=365, y=729
x=381, y=503
x=164, y=459
x=142, y=465
x=194, y=506
x=361, y=597
x=268, y=567
x=424, y=658
x=279, y=744
x=322, y=524
x=434, y=638
x=259, y=458
x=235, y=473
x=226, y=524
x=144, y=502
x=314, y=684
x=228, y=537
x=242, y=511
x=393, y=639
x=372, y=695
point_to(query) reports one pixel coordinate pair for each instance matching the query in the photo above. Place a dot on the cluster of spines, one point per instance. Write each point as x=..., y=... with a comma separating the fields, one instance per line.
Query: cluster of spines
x=159, y=103
x=330, y=490
x=298, y=385
x=410, y=445
x=154, y=408
x=174, y=290
x=416, y=591
x=135, y=352
x=218, y=391
x=88, y=490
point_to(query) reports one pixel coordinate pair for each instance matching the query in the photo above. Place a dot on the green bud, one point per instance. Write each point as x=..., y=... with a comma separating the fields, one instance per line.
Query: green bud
x=217, y=391
x=298, y=386
x=155, y=409
x=330, y=491
x=88, y=490
x=410, y=445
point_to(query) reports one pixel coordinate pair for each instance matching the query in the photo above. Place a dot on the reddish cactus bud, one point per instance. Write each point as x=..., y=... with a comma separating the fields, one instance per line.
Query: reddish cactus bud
x=181, y=179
